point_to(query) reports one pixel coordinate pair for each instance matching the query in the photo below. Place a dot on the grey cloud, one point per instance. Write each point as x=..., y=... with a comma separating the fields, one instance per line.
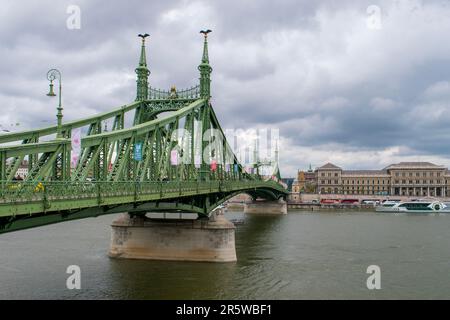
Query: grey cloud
x=312, y=69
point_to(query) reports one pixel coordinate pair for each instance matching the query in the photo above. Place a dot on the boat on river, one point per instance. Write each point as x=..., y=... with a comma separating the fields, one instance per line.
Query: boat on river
x=413, y=207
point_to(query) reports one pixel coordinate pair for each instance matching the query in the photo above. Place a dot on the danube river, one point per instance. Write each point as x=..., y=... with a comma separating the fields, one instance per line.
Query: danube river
x=299, y=256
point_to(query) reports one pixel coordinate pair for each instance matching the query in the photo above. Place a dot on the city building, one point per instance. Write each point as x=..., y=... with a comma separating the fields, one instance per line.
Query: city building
x=22, y=171
x=305, y=182
x=402, y=179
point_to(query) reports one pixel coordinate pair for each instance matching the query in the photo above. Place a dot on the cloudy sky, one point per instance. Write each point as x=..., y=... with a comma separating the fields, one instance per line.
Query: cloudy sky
x=359, y=83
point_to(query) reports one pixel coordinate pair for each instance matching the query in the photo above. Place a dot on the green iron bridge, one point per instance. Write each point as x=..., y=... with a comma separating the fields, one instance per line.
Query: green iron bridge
x=127, y=169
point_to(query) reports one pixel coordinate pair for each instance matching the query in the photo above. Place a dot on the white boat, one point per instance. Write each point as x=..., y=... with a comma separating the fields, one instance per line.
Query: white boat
x=386, y=206
x=413, y=207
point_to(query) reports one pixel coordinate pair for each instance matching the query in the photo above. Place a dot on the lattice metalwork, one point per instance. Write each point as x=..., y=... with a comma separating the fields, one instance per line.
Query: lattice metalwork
x=154, y=164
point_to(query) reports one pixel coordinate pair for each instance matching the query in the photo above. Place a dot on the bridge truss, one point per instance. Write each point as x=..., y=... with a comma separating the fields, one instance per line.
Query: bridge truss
x=155, y=164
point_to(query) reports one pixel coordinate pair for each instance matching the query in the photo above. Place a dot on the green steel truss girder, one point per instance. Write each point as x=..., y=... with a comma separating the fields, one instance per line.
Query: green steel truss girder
x=70, y=195
x=192, y=93
x=30, y=207
x=149, y=109
x=39, y=133
x=108, y=179
x=153, y=107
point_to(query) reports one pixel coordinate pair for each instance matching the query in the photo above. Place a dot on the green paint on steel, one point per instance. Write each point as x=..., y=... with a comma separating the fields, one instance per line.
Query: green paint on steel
x=107, y=179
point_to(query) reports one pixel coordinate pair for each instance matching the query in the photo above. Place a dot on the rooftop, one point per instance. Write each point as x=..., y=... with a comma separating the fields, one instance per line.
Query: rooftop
x=329, y=166
x=414, y=165
x=364, y=172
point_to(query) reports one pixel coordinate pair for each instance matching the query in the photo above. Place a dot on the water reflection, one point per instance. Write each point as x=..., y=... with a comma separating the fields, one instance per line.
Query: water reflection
x=299, y=256
x=136, y=279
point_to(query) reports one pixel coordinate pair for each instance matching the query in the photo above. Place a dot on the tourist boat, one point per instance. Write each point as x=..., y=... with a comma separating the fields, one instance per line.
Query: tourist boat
x=413, y=207
x=386, y=205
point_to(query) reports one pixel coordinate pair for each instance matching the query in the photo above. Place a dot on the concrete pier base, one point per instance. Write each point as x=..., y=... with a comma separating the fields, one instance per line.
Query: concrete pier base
x=266, y=207
x=179, y=240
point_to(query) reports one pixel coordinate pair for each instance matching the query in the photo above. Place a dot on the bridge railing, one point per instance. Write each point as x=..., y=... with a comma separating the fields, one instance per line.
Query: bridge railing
x=158, y=94
x=27, y=192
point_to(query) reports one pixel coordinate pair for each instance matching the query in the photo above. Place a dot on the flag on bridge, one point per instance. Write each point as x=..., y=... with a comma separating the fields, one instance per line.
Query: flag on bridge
x=197, y=161
x=213, y=165
x=76, y=147
x=174, y=157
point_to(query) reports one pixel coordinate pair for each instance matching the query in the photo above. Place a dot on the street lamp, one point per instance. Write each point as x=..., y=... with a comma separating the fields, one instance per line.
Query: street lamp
x=52, y=75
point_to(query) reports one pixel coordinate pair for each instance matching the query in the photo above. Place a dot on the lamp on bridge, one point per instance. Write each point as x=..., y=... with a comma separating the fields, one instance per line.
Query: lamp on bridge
x=51, y=92
x=51, y=76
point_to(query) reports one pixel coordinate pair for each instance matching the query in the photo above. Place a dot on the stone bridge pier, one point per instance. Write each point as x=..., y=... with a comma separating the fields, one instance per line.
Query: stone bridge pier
x=265, y=207
x=138, y=237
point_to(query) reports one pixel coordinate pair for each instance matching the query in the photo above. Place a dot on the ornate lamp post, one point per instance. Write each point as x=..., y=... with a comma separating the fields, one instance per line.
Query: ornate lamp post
x=52, y=75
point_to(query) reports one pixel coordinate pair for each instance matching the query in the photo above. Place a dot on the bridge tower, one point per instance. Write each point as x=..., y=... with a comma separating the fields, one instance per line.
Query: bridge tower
x=263, y=206
x=205, y=69
x=211, y=239
x=142, y=73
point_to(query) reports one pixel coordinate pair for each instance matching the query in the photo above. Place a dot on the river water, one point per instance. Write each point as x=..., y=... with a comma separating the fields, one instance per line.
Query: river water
x=302, y=255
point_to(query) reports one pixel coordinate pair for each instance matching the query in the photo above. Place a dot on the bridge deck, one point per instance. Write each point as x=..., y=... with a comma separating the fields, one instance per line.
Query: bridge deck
x=30, y=198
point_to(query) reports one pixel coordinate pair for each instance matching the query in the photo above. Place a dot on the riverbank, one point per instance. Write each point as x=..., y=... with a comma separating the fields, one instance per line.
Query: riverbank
x=311, y=207
x=329, y=207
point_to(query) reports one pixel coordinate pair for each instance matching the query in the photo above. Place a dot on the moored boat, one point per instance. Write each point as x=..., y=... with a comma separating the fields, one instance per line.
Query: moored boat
x=414, y=207
x=386, y=206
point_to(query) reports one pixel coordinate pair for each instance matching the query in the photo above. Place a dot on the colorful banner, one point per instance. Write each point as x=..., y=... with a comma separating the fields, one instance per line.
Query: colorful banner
x=138, y=151
x=213, y=165
x=174, y=157
x=76, y=147
x=197, y=161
